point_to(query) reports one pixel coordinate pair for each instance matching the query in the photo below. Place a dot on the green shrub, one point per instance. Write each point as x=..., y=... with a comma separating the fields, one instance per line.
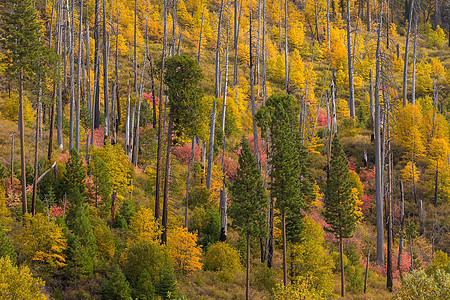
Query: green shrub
x=145, y=256
x=263, y=277
x=126, y=213
x=6, y=247
x=301, y=289
x=222, y=257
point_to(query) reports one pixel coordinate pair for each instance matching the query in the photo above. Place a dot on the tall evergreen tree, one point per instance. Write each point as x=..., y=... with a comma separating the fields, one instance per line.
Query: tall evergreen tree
x=340, y=205
x=292, y=183
x=182, y=76
x=20, y=35
x=248, y=200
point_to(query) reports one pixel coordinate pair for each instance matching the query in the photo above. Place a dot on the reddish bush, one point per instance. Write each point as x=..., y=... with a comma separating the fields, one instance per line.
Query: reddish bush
x=229, y=166
x=99, y=136
x=150, y=98
x=322, y=119
x=183, y=153
x=351, y=164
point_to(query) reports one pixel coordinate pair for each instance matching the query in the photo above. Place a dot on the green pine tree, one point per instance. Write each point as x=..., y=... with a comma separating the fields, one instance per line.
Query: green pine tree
x=81, y=238
x=23, y=55
x=166, y=287
x=248, y=200
x=340, y=206
x=292, y=182
x=74, y=175
x=182, y=76
x=117, y=287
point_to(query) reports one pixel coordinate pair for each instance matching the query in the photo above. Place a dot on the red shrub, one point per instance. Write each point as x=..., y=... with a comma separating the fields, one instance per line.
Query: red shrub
x=183, y=153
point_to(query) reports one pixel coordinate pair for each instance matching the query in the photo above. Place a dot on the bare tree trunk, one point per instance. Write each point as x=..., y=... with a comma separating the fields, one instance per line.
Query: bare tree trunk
x=263, y=55
x=174, y=26
x=138, y=118
x=247, y=278
x=367, y=270
x=378, y=154
x=131, y=133
x=191, y=160
x=52, y=114
x=113, y=113
x=72, y=79
x=96, y=102
x=117, y=120
x=413, y=180
x=211, y=146
x=402, y=224
x=252, y=96
x=389, y=278
x=350, y=65
x=223, y=192
x=77, y=105
x=36, y=146
x=258, y=40
x=270, y=242
x=405, y=67
x=51, y=125
x=165, y=211
x=22, y=144
x=237, y=22
x=328, y=25
x=105, y=75
x=217, y=60
x=413, y=83
x=316, y=20
x=153, y=91
x=200, y=36
x=333, y=104
x=369, y=21
x=160, y=125
x=88, y=69
x=127, y=123
x=135, y=54
x=51, y=27
x=60, y=18
x=372, y=107
x=13, y=135
x=341, y=251
x=286, y=71
x=283, y=224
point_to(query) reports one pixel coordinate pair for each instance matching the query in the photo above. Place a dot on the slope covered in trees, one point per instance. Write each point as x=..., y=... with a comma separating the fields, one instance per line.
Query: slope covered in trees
x=224, y=149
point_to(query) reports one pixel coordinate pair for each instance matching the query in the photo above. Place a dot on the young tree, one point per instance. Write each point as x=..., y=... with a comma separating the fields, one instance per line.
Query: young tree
x=74, y=175
x=83, y=248
x=340, y=205
x=248, y=199
x=20, y=36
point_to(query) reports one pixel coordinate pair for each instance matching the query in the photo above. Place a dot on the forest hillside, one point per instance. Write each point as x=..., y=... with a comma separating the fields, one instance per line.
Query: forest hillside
x=218, y=149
